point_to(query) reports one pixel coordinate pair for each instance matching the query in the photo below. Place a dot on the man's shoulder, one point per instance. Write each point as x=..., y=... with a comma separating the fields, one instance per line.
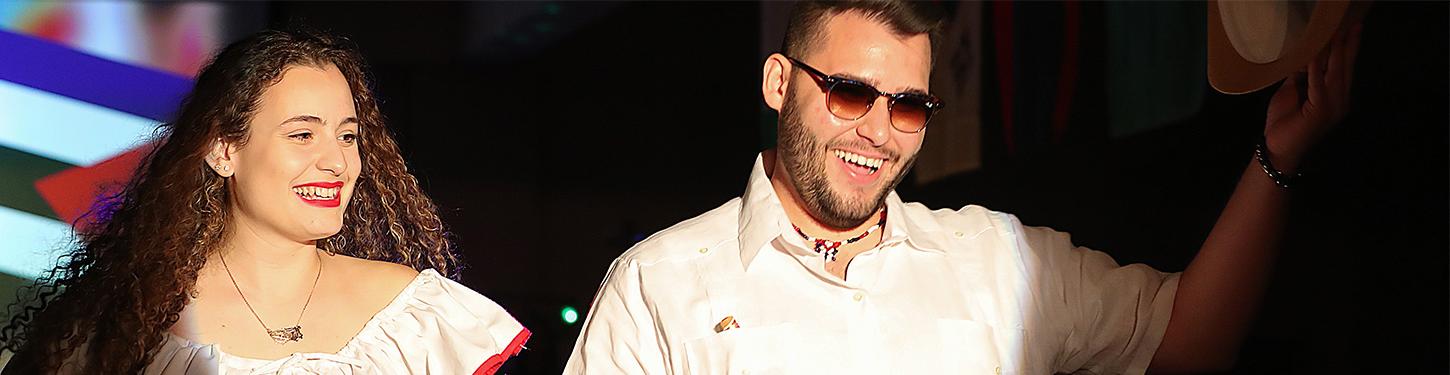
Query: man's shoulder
x=968, y=217
x=685, y=238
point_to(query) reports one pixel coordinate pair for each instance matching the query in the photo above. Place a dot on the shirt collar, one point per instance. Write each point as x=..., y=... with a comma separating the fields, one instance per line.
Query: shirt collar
x=913, y=225
x=762, y=219
x=760, y=213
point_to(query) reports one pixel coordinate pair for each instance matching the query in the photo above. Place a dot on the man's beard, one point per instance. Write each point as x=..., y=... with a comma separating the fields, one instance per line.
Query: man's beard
x=801, y=153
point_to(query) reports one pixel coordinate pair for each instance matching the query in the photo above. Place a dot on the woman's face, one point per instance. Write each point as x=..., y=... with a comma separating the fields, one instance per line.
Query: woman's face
x=292, y=179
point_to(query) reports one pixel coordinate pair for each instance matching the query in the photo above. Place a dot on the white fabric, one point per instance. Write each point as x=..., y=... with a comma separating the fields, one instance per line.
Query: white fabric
x=948, y=292
x=434, y=326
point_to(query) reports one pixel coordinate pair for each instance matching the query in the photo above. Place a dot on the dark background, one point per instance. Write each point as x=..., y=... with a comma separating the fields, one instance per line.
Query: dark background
x=554, y=135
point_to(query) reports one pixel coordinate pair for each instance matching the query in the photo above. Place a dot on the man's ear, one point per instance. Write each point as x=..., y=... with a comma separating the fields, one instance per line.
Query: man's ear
x=775, y=80
x=220, y=158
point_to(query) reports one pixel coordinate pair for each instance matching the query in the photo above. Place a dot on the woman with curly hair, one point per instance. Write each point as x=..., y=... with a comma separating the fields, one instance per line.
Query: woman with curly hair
x=275, y=228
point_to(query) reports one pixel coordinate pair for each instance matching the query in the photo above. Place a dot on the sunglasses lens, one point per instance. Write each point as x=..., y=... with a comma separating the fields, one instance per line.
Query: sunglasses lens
x=909, y=114
x=850, y=101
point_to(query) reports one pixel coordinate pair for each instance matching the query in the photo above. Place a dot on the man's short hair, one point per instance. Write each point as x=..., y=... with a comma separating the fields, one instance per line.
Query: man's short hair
x=805, y=31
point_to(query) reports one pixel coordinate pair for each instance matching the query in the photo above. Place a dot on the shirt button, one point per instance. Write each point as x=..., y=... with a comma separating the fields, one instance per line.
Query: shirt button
x=959, y=234
x=858, y=297
x=704, y=250
x=997, y=370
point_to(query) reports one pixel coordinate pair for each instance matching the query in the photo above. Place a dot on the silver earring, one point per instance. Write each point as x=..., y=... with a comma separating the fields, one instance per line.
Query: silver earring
x=226, y=168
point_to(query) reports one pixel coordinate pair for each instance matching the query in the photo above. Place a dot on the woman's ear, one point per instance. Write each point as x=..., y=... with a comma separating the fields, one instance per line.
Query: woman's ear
x=220, y=158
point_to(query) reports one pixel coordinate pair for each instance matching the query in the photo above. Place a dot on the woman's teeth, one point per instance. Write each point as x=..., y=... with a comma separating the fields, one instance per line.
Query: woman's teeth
x=865, y=162
x=316, y=193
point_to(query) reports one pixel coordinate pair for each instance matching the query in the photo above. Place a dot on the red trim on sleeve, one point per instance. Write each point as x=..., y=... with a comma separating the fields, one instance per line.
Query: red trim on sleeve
x=496, y=361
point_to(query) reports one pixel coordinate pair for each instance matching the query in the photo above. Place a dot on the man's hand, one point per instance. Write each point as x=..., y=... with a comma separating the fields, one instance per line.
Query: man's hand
x=1308, y=104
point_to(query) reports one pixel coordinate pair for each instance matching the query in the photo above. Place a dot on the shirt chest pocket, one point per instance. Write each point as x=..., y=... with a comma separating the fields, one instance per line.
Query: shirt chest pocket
x=745, y=351
x=967, y=347
x=943, y=346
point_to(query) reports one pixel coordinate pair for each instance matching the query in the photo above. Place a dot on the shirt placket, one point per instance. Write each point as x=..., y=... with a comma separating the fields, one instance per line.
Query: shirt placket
x=853, y=298
x=867, y=323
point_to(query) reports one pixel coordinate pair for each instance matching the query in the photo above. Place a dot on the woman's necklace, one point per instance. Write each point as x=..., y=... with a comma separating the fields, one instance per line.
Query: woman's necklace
x=284, y=335
x=829, y=248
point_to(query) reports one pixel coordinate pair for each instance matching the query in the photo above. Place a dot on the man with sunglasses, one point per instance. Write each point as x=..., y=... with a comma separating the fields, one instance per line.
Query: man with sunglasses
x=821, y=268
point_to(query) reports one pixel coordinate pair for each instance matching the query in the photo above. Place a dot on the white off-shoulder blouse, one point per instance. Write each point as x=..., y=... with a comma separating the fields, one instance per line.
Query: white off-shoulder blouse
x=434, y=326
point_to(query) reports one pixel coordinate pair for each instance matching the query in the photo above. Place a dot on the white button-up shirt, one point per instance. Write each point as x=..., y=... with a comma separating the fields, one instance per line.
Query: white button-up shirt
x=970, y=291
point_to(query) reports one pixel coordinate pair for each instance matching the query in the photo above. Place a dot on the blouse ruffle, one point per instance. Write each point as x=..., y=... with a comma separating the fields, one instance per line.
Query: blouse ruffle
x=434, y=326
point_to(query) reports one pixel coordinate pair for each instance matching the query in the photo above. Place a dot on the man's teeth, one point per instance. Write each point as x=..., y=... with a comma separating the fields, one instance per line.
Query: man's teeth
x=313, y=192
x=868, y=162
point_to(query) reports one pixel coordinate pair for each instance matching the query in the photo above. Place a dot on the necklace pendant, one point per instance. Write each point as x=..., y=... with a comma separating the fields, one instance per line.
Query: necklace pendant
x=285, y=335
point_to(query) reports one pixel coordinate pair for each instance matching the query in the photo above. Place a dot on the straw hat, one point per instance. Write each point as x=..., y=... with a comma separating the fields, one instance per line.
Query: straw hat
x=1254, y=44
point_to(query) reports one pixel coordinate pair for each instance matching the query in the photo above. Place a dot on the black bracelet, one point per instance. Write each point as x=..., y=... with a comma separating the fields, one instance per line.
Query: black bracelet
x=1261, y=154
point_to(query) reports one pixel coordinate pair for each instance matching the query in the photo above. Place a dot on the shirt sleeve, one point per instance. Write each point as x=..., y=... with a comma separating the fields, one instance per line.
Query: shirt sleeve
x=1104, y=318
x=619, y=335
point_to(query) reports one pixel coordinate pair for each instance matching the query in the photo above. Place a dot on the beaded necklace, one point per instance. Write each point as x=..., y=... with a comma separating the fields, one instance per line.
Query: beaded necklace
x=829, y=248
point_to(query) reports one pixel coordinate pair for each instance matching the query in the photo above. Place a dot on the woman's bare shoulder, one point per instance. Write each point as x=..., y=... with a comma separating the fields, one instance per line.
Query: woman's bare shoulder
x=371, y=277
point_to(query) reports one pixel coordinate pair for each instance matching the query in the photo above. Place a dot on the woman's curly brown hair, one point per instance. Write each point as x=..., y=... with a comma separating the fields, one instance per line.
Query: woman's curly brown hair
x=105, y=309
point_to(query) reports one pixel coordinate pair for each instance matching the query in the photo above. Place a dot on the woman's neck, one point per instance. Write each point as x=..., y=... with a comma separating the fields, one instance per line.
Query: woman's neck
x=254, y=257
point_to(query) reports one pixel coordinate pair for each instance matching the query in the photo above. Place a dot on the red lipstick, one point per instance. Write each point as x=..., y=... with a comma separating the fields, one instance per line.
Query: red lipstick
x=334, y=201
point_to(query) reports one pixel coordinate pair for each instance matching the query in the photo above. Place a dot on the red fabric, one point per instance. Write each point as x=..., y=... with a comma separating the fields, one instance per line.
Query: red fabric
x=73, y=192
x=496, y=361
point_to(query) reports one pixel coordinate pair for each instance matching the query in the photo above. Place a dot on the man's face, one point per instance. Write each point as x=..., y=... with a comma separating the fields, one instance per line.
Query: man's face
x=823, y=154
